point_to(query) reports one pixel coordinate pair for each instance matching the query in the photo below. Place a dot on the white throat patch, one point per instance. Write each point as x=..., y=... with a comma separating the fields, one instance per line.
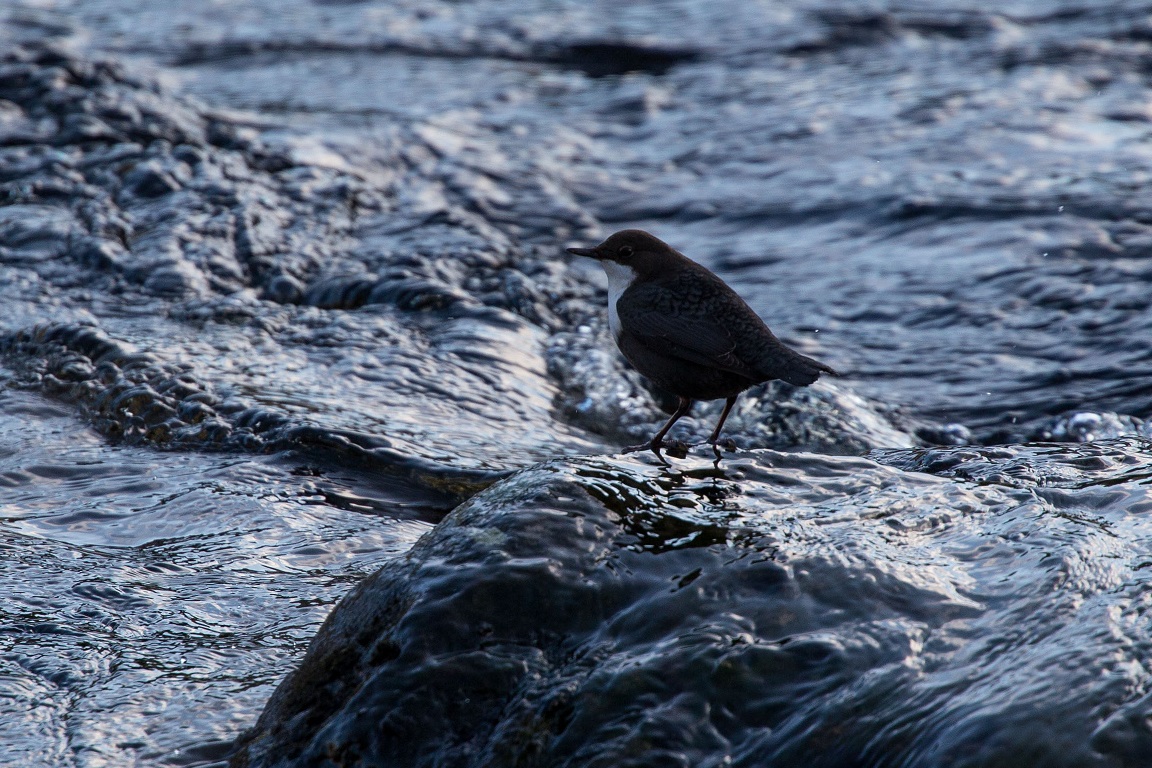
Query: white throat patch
x=620, y=277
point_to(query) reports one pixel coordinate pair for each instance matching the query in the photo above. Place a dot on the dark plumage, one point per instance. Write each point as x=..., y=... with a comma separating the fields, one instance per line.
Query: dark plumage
x=682, y=327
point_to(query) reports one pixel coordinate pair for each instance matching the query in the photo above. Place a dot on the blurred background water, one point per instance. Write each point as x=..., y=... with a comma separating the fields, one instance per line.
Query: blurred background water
x=284, y=284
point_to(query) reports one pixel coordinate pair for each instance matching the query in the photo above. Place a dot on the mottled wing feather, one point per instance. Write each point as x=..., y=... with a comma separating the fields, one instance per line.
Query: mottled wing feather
x=691, y=336
x=689, y=330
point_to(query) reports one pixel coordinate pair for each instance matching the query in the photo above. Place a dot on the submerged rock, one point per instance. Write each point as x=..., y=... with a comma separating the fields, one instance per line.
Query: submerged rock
x=1086, y=426
x=785, y=609
x=134, y=397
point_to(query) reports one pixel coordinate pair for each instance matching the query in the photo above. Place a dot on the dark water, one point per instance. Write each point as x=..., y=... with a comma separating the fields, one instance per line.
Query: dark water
x=283, y=284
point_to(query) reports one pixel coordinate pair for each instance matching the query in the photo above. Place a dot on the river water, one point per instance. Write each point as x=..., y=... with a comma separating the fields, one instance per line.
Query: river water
x=284, y=285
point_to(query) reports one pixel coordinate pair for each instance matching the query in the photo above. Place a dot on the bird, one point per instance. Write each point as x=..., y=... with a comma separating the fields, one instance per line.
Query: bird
x=687, y=331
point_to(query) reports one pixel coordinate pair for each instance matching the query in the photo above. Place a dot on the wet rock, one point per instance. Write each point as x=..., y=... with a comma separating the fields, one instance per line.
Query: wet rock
x=134, y=398
x=605, y=612
x=115, y=385
x=825, y=418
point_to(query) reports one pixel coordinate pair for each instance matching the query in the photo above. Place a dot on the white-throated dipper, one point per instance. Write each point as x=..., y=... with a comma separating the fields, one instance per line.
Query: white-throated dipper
x=682, y=327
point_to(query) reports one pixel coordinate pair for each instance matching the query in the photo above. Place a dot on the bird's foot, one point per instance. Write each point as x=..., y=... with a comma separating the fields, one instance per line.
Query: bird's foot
x=727, y=444
x=677, y=449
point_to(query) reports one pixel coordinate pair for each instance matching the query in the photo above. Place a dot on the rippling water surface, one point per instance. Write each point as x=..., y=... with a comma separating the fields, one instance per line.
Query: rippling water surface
x=284, y=285
x=149, y=596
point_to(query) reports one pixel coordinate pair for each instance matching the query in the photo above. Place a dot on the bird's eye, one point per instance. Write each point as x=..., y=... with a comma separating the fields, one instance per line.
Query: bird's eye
x=624, y=252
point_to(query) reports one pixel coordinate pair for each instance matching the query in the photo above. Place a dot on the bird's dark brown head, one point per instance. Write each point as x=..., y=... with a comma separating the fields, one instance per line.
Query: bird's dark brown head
x=634, y=248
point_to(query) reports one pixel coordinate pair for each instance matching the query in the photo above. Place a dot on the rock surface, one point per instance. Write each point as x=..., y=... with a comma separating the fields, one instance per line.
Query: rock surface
x=788, y=609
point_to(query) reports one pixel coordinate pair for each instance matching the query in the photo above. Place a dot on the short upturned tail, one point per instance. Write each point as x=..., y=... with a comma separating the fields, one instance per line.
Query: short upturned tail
x=796, y=369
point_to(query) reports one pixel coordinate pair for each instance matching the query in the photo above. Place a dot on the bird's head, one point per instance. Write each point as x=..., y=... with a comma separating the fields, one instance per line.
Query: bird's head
x=633, y=248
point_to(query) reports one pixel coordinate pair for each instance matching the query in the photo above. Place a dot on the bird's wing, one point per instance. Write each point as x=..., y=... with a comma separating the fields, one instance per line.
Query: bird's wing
x=696, y=337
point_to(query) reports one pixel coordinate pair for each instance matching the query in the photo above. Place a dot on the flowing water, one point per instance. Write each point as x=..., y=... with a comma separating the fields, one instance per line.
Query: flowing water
x=284, y=285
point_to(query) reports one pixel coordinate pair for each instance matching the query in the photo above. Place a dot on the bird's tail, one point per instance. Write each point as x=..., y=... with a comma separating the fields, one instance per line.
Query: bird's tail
x=795, y=368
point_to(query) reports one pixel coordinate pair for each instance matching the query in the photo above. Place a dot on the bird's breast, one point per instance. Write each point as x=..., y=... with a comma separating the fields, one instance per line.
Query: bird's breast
x=619, y=278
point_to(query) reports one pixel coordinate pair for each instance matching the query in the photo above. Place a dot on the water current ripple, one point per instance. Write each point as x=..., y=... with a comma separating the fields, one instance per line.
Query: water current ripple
x=288, y=319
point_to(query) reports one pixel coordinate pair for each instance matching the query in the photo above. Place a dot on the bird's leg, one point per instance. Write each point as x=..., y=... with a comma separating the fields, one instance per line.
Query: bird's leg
x=657, y=442
x=714, y=439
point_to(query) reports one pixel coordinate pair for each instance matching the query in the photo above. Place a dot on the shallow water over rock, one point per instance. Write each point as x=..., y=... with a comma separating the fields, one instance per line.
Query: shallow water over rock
x=285, y=283
x=785, y=609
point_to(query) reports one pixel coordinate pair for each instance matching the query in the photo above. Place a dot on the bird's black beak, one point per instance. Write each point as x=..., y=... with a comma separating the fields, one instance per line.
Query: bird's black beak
x=584, y=252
